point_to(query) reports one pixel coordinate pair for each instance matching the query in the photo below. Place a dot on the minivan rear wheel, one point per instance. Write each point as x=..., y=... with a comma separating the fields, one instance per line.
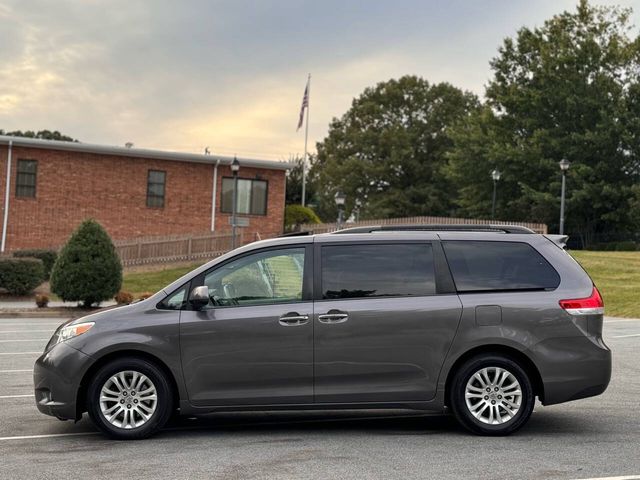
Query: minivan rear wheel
x=129, y=398
x=491, y=394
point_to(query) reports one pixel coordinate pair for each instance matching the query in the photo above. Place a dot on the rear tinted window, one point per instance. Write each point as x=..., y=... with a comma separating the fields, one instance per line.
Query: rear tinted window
x=481, y=266
x=358, y=271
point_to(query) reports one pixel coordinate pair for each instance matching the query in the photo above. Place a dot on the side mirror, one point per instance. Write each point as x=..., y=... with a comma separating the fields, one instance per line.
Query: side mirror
x=199, y=297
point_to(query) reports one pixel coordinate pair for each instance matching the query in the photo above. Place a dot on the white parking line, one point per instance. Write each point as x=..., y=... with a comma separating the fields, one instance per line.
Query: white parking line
x=53, y=326
x=22, y=353
x=627, y=336
x=50, y=435
x=2, y=397
x=25, y=340
x=16, y=371
x=628, y=477
x=25, y=331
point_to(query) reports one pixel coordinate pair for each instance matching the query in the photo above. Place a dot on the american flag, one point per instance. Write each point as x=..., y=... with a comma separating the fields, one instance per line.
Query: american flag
x=305, y=104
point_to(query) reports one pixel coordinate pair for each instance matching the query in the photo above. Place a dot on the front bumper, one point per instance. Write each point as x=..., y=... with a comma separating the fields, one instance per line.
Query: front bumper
x=56, y=378
x=573, y=368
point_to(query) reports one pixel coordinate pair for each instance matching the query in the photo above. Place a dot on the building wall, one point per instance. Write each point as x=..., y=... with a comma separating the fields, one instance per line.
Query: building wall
x=73, y=186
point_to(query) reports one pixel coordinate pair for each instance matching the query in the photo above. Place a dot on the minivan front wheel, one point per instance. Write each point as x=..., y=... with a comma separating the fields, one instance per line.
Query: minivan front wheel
x=492, y=395
x=129, y=398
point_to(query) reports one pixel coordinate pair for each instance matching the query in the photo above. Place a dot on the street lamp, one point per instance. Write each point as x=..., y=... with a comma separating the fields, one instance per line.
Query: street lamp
x=495, y=175
x=358, y=206
x=340, y=198
x=235, y=168
x=564, y=166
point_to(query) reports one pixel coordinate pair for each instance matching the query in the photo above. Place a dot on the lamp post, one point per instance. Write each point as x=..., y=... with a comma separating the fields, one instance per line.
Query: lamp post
x=235, y=168
x=340, y=198
x=564, y=166
x=495, y=175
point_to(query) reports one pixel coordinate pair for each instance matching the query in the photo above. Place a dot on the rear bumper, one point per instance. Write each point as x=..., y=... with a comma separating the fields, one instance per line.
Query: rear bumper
x=56, y=379
x=572, y=368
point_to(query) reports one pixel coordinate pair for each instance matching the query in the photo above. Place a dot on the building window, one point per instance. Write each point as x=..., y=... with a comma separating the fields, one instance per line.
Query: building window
x=155, y=188
x=26, y=181
x=252, y=196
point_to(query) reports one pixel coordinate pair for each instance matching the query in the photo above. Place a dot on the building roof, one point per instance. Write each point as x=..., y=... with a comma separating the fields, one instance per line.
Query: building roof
x=140, y=152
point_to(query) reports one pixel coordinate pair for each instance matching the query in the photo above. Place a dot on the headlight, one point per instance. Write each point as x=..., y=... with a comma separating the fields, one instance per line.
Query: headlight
x=69, y=331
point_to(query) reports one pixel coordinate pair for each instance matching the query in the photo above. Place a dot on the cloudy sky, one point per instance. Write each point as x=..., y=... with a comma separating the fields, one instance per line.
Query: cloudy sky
x=182, y=75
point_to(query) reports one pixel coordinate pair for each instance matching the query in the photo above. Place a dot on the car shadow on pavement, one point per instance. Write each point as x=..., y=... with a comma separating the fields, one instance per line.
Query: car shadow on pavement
x=542, y=423
x=402, y=423
x=383, y=423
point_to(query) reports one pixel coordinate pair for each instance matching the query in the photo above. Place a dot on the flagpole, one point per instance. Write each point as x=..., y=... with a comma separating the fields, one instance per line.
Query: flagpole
x=306, y=136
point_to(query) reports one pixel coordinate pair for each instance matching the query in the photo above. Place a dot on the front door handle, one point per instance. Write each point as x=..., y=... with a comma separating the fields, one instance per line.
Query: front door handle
x=293, y=319
x=333, y=316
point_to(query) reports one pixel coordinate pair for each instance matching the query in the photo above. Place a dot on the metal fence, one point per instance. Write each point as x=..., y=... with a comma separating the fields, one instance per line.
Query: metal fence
x=174, y=248
x=331, y=227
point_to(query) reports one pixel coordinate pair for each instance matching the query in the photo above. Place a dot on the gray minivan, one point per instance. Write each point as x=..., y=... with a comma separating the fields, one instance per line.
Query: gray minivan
x=478, y=320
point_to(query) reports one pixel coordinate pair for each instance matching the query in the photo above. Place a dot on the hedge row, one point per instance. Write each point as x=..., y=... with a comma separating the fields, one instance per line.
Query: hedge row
x=48, y=258
x=20, y=276
x=625, y=246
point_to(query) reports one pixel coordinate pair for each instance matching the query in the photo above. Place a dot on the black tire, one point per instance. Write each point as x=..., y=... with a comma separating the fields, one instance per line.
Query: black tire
x=459, y=404
x=163, y=408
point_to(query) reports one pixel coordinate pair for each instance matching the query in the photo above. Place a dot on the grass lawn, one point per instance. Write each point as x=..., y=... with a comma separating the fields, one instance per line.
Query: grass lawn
x=617, y=276
x=143, y=282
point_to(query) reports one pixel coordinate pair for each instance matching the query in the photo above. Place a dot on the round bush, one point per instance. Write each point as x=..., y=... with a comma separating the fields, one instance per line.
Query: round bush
x=20, y=276
x=48, y=258
x=88, y=269
x=42, y=301
x=295, y=215
x=123, y=298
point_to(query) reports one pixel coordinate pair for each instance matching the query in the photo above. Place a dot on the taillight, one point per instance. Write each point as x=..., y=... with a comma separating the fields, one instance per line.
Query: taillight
x=592, y=305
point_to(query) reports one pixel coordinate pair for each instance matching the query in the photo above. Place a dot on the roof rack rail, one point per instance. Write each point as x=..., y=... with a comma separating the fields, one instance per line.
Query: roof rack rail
x=441, y=227
x=296, y=234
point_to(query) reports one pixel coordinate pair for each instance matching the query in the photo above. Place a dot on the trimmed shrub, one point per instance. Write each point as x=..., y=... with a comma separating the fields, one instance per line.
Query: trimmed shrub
x=19, y=276
x=123, y=298
x=88, y=268
x=42, y=301
x=144, y=295
x=296, y=215
x=48, y=258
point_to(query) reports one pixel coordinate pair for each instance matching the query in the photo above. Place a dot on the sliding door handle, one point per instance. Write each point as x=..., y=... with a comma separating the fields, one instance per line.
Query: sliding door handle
x=293, y=319
x=333, y=316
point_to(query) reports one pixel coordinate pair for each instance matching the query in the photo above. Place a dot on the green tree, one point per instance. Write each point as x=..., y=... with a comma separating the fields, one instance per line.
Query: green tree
x=296, y=215
x=294, y=183
x=387, y=152
x=41, y=134
x=568, y=89
x=88, y=268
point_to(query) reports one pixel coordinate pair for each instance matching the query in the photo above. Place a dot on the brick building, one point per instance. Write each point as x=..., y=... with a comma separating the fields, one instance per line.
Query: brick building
x=53, y=186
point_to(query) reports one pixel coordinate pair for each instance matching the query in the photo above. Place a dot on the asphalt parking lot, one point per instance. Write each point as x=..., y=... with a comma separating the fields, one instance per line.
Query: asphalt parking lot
x=597, y=437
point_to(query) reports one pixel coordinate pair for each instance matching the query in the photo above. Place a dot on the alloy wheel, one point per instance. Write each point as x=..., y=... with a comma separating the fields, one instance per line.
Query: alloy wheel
x=493, y=395
x=128, y=399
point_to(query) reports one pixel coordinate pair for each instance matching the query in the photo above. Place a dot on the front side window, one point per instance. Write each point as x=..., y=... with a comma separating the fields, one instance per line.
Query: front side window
x=389, y=270
x=489, y=266
x=252, y=196
x=26, y=179
x=175, y=301
x=156, y=180
x=270, y=277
